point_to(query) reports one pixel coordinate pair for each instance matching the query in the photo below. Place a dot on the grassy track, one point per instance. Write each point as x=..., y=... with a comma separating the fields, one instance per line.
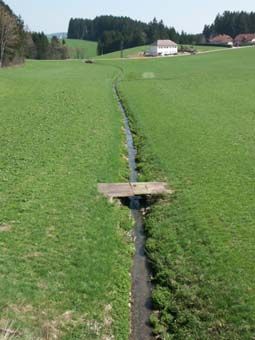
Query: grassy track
x=87, y=49
x=195, y=120
x=64, y=255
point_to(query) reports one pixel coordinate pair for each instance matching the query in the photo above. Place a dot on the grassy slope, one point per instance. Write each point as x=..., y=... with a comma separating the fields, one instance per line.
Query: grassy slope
x=89, y=48
x=135, y=51
x=206, y=48
x=129, y=52
x=64, y=263
x=197, y=119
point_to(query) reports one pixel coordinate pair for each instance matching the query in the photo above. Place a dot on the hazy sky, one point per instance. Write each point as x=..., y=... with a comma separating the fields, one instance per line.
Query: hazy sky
x=190, y=15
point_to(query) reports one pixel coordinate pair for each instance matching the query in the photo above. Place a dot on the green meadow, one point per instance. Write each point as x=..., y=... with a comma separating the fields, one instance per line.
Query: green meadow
x=81, y=49
x=127, y=53
x=65, y=253
x=205, y=48
x=194, y=122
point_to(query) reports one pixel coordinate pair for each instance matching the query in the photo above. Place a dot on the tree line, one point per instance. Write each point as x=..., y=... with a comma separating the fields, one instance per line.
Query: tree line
x=231, y=23
x=16, y=43
x=38, y=46
x=12, y=36
x=114, y=33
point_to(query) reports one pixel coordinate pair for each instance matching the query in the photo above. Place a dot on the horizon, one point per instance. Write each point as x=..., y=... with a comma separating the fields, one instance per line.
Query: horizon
x=54, y=18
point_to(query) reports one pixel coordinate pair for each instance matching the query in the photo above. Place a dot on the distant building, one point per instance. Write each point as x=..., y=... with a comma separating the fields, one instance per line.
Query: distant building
x=163, y=48
x=242, y=39
x=222, y=39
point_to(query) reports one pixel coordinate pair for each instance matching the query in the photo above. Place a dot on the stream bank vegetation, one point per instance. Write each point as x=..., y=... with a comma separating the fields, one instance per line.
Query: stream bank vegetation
x=195, y=128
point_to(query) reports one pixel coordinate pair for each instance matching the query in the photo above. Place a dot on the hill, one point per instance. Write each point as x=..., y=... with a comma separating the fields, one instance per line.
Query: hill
x=127, y=53
x=112, y=32
x=80, y=49
x=138, y=51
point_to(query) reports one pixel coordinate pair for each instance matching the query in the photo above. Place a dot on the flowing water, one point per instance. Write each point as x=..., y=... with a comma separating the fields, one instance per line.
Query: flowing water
x=141, y=284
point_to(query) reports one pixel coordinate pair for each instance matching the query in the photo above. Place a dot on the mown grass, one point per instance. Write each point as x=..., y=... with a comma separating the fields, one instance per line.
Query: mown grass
x=64, y=253
x=81, y=49
x=195, y=119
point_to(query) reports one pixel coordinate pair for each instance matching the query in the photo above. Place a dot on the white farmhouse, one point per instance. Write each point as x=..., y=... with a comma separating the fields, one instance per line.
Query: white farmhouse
x=163, y=48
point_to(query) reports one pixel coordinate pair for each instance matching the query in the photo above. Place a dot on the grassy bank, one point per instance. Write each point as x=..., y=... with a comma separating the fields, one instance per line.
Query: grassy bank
x=194, y=118
x=64, y=252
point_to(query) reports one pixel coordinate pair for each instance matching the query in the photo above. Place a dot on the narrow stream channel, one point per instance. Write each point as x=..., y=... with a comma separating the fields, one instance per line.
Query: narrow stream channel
x=141, y=284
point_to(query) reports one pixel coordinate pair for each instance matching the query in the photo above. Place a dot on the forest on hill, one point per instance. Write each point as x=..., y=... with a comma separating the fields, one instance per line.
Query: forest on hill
x=114, y=33
x=231, y=23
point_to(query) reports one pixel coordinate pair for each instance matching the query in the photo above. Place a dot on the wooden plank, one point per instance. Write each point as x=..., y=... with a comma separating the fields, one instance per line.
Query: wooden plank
x=116, y=189
x=149, y=188
x=119, y=190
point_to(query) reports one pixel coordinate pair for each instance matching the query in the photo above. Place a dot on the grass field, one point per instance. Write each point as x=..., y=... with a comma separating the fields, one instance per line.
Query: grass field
x=81, y=49
x=64, y=252
x=195, y=120
x=207, y=48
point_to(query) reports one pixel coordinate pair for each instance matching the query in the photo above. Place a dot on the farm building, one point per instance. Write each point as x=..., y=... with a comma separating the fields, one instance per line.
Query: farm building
x=163, y=48
x=248, y=38
x=222, y=39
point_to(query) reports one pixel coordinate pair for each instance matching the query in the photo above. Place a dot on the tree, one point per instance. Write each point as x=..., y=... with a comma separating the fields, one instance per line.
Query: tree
x=30, y=48
x=207, y=32
x=100, y=48
x=9, y=34
x=42, y=45
x=231, y=23
x=112, y=31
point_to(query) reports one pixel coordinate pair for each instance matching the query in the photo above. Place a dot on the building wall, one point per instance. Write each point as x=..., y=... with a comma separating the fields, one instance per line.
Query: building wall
x=167, y=50
x=155, y=50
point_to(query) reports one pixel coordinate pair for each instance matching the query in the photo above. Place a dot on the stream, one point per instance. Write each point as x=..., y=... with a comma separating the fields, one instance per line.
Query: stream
x=141, y=283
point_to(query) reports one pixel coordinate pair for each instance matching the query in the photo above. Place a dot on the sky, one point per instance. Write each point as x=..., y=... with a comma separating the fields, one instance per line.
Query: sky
x=52, y=16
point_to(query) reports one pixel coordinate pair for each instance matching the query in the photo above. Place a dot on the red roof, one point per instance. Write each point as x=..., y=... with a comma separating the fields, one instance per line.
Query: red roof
x=164, y=43
x=244, y=38
x=221, y=39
